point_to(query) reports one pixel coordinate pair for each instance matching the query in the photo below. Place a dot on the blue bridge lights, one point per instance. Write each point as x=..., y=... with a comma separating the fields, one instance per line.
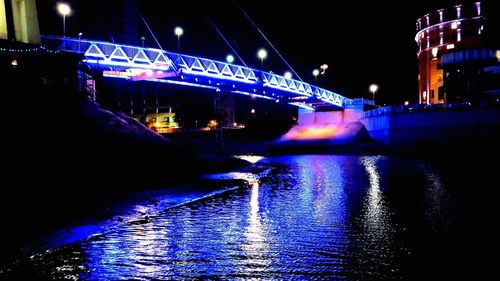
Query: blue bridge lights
x=156, y=65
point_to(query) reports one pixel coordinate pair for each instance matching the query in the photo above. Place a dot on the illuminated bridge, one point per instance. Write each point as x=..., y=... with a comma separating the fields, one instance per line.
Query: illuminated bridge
x=150, y=64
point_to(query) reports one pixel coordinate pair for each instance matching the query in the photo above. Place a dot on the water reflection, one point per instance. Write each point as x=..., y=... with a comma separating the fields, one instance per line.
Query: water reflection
x=307, y=217
x=375, y=218
x=437, y=206
x=377, y=244
x=255, y=246
x=145, y=244
x=250, y=158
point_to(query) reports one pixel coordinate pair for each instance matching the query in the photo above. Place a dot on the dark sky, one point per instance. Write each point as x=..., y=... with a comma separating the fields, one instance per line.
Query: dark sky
x=363, y=42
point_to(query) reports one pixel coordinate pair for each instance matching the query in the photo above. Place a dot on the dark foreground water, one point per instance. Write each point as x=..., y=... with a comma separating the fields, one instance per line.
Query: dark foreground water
x=301, y=217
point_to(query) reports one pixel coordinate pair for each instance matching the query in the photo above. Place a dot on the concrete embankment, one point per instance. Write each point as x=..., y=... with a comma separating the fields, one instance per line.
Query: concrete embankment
x=445, y=131
x=456, y=131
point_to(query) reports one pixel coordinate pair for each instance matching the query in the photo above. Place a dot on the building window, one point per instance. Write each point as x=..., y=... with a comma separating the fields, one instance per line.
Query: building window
x=434, y=52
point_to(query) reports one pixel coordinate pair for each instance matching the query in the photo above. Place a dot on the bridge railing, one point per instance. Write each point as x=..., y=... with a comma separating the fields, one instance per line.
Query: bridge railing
x=359, y=101
x=105, y=53
x=418, y=107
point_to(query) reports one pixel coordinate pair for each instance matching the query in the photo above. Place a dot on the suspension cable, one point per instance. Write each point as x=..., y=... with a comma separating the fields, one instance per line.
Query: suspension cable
x=154, y=37
x=220, y=33
x=263, y=35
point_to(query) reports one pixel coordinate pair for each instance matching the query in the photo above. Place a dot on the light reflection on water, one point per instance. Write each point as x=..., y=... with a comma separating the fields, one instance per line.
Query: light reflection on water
x=306, y=217
x=375, y=215
x=255, y=245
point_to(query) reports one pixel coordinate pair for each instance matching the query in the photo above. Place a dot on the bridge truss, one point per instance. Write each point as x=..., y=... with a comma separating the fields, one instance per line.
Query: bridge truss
x=150, y=64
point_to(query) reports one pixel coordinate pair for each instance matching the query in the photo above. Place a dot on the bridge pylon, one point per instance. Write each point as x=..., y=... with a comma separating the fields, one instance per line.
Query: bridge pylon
x=19, y=21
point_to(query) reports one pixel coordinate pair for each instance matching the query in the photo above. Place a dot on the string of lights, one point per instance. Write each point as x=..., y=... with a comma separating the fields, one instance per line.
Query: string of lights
x=29, y=50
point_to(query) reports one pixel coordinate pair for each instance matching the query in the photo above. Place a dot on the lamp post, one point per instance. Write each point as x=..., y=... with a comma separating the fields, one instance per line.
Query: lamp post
x=373, y=88
x=323, y=69
x=315, y=74
x=142, y=39
x=262, y=54
x=288, y=75
x=64, y=9
x=79, y=40
x=178, y=31
x=230, y=58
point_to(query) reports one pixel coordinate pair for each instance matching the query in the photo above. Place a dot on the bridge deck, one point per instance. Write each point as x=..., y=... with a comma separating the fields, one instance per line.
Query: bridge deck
x=141, y=63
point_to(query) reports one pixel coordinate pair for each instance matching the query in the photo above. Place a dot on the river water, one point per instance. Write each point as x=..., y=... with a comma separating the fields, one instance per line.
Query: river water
x=300, y=217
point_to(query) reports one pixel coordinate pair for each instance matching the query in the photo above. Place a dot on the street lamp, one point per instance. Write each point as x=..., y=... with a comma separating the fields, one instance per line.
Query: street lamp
x=373, y=88
x=323, y=68
x=230, y=58
x=142, y=39
x=262, y=54
x=288, y=75
x=178, y=31
x=64, y=9
x=315, y=74
x=79, y=40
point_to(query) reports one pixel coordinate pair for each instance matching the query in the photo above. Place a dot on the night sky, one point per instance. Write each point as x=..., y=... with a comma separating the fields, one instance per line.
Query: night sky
x=362, y=42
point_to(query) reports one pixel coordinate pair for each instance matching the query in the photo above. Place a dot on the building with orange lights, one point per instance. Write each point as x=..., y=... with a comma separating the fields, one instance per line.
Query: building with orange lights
x=457, y=28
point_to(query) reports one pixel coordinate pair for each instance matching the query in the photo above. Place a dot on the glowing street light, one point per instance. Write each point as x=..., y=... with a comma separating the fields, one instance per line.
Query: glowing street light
x=315, y=74
x=65, y=10
x=373, y=88
x=262, y=54
x=178, y=31
x=142, y=39
x=288, y=75
x=230, y=58
x=323, y=68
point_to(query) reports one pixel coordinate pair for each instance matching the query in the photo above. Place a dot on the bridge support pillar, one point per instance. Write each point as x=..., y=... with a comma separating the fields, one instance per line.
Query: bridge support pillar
x=19, y=21
x=309, y=117
x=224, y=110
x=326, y=128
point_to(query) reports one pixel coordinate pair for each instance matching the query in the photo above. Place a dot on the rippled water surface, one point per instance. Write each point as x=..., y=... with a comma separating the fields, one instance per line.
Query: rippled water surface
x=305, y=217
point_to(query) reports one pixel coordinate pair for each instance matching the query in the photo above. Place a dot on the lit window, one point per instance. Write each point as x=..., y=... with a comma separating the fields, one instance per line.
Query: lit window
x=450, y=46
x=454, y=25
x=434, y=52
x=459, y=35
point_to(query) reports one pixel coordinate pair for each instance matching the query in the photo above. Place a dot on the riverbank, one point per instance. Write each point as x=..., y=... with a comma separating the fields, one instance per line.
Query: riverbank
x=67, y=158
